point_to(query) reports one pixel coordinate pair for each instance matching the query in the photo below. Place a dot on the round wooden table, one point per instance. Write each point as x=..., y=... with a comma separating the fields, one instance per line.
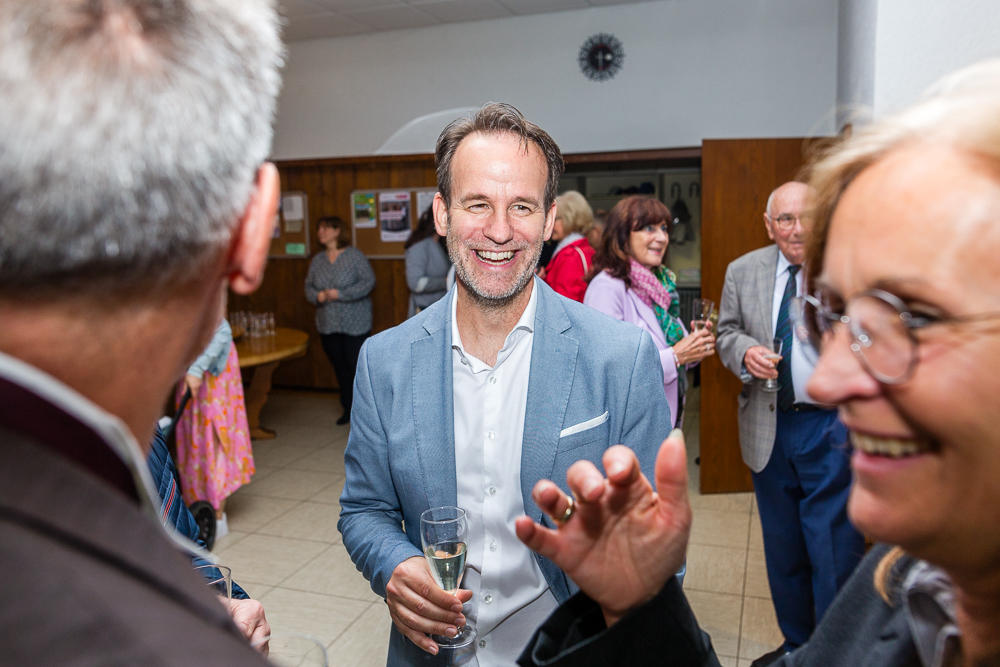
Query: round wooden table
x=263, y=355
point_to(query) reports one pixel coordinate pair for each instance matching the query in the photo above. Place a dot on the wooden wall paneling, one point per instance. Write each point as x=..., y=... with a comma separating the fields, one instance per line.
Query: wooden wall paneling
x=328, y=184
x=737, y=176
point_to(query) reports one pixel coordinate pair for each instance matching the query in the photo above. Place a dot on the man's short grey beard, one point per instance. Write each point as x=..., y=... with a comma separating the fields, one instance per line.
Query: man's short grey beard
x=488, y=301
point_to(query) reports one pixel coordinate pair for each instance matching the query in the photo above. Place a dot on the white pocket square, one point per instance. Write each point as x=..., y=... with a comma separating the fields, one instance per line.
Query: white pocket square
x=584, y=426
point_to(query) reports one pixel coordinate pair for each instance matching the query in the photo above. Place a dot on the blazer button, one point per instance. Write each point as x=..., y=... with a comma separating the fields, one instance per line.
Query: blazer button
x=771, y=407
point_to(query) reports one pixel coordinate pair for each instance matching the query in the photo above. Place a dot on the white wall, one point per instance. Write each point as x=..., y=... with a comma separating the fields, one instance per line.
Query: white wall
x=856, y=60
x=693, y=69
x=918, y=41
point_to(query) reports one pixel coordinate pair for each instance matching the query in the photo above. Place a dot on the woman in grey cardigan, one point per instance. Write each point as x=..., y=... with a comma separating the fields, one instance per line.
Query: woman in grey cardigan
x=427, y=265
x=339, y=282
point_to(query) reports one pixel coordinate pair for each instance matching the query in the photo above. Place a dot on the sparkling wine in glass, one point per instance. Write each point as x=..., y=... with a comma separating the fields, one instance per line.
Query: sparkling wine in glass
x=444, y=535
x=774, y=354
x=701, y=312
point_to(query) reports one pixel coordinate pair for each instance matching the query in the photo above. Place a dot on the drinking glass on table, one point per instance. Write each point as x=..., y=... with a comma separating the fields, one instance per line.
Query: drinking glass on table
x=701, y=312
x=220, y=579
x=774, y=354
x=444, y=535
x=292, y=649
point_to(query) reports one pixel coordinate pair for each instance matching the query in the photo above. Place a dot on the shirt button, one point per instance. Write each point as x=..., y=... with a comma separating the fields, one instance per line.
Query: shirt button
x=482, y=643
x=493, y=546
x=493, y=490
x=488, y=598
x=491, y=435
x=493, y=380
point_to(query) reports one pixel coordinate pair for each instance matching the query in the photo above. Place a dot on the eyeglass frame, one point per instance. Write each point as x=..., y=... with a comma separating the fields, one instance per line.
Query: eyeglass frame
x=911, y=324
x=791, y=218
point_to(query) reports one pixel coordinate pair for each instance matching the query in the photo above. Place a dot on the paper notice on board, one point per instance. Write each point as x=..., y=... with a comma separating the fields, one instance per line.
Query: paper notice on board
x=293, y=207
x=364, y=211
x=293, y=226
x=394, y=216
x=424, y=201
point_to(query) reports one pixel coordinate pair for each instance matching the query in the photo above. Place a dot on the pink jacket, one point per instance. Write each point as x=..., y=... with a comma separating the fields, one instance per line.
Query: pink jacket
x=610, y=296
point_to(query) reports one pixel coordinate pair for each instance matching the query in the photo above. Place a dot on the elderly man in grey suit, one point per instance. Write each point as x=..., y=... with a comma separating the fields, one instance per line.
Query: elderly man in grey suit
x=795, y=448
x=499, y=384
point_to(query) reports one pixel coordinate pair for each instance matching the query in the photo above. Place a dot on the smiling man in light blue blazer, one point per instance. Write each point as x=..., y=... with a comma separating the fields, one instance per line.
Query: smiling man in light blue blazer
x=494, y=387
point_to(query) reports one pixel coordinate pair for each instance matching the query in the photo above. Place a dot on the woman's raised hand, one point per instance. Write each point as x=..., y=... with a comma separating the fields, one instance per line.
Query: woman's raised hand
x=695, y=346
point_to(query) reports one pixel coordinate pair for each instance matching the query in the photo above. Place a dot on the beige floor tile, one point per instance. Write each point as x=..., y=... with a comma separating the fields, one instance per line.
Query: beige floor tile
x=309, y=435
x=760, y=633
x=721, y=529
x=719, y=616
x=322, y=616
x=728, y=661
x=291, y=484
x=757, y=584
x=720, y=502
x=756, y=534
x=306, y=521
x=332, y=573
x=268, y=560
x=248, y=512
x=715, y=569
x=262, y=471
x=256, y=591
x=326, y=459
x=330, y=494
x=366, y=642
x=228, y=540
x=278, y=453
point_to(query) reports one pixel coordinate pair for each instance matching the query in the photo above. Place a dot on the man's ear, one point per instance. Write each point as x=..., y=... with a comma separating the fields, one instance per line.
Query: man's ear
x=252, y=240
x=440, y=215
x=550, y=221
x=767, y=226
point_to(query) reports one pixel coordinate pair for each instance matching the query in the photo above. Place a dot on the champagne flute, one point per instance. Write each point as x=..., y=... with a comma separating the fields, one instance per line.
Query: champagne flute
x=292, y=649
x=444, y=535
x=220, y=579
x=701, y=312
x=774, y=354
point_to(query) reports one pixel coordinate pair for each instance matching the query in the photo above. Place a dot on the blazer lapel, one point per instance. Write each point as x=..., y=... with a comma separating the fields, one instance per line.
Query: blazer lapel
x=765, y=290
x=553, y=365
x=434, y=406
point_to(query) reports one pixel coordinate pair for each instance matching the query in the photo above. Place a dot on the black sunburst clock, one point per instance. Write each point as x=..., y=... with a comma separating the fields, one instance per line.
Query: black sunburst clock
x=601, y=57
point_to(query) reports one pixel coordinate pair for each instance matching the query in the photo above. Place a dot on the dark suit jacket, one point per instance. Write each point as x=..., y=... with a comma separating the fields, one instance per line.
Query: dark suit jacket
x=860, y=628
x=87, y=579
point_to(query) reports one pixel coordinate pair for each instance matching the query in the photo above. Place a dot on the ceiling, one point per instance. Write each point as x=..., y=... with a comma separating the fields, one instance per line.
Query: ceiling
x=312, y=19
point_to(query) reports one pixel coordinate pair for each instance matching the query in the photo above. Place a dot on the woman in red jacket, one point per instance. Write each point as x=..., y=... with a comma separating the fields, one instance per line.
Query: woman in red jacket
x=573, y=256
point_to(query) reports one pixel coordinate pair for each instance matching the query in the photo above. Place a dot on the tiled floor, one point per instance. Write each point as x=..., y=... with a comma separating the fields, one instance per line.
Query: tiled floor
x=284, y=547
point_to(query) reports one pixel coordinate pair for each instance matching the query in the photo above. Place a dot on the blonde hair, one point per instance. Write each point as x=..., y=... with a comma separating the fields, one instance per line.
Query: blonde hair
x=576, y=214
x=961, y=110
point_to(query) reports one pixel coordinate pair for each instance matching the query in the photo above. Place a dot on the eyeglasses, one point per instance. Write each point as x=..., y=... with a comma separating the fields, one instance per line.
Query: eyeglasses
x=882, y=328
x=785, y=221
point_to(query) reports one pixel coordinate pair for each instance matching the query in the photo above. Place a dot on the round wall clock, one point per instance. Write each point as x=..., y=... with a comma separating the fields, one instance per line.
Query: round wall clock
x=601, y=56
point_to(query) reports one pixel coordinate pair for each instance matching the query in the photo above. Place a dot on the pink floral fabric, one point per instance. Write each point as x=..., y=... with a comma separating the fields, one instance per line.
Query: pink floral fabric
x=214, y=455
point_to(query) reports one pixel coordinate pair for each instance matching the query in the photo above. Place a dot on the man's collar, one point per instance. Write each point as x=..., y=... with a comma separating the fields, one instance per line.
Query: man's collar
x=525, y=323
x=59, y=417
x=783, y=263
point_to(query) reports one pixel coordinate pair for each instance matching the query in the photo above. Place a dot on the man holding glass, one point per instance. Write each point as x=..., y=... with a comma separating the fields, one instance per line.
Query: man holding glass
x=794, y=447
x=470, y=403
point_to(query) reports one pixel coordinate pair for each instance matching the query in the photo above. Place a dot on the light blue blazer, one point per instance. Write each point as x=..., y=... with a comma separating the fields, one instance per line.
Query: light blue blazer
x=400, y=456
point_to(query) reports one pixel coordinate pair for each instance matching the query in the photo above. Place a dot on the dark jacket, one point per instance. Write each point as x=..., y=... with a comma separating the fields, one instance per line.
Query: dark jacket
x=87, y=578
x=859, y=628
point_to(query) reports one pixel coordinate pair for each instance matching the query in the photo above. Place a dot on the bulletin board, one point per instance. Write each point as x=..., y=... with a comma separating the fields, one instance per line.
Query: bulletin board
x=381, y=220
x=291, y=227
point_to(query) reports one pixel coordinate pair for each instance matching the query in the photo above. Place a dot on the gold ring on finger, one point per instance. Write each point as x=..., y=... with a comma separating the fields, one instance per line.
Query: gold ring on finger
x=569, y=511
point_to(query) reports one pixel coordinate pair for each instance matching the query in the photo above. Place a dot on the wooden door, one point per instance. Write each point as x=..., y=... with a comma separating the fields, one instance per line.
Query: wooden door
x=737, y=176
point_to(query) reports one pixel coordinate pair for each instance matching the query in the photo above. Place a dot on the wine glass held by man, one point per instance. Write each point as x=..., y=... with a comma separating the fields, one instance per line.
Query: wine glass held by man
x=630, y=283
x=908, y=332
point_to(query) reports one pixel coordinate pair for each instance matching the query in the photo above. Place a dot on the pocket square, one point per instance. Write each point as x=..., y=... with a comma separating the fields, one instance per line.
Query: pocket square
x=584, y=426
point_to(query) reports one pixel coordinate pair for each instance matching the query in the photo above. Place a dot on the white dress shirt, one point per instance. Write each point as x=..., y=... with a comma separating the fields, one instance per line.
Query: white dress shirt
x=802, y=368
x=510, y=595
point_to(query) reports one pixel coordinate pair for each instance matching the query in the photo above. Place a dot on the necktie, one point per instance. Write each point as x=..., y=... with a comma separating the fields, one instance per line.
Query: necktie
x=786, y=390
